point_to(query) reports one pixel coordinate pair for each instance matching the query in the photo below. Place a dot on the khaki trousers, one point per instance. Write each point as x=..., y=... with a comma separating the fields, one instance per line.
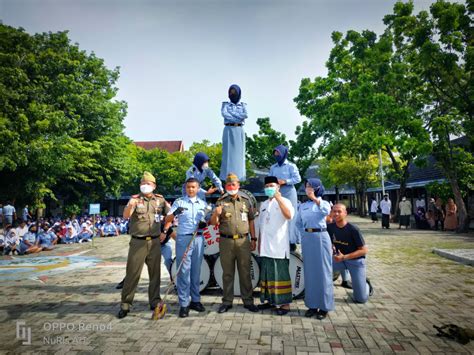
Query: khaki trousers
x=232, y=251
x=142, y=251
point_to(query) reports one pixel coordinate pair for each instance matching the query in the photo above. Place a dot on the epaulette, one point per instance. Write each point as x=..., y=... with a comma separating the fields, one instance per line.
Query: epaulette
x=158, y=195
x=244, y=195
x=223, y=196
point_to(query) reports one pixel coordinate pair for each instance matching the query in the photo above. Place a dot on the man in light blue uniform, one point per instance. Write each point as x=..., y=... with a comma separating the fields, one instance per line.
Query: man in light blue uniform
x=317, y=251
x=233, y=137
x=288, y=176
x=190, y=211
x=200, y=171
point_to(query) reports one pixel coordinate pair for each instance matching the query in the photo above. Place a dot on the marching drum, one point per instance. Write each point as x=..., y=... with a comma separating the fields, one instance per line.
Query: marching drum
x=254, y=274
x=296, y=274
x=211, y=240
x=205, y=273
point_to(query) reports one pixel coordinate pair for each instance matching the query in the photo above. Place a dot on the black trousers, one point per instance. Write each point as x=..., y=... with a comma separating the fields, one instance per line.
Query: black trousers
x=385, y=220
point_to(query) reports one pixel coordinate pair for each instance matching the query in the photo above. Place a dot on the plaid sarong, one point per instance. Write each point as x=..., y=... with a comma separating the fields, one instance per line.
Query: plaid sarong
x=275, y=281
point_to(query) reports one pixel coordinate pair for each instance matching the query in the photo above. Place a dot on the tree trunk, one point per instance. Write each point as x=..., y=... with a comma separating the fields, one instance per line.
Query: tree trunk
x=463, y=226
x=337, y=193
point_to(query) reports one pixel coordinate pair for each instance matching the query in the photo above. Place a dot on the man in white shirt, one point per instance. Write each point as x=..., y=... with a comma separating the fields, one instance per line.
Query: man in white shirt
x=373, y=210
x=274, y=248
x=386, y=207
x=9, y=214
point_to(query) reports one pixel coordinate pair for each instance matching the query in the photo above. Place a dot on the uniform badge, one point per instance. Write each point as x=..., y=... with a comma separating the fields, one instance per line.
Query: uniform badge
x=228, y=215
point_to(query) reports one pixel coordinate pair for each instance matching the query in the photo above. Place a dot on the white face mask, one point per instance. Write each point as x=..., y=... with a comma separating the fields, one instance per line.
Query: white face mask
x=232, y=192
x=146, y=189
x=205, y=166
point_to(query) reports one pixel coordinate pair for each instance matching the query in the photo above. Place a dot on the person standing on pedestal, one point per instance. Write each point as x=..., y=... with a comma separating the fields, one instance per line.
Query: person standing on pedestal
x=233, y=138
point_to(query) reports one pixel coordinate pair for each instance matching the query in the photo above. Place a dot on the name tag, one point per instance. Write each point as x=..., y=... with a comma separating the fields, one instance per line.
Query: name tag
x=244, y=217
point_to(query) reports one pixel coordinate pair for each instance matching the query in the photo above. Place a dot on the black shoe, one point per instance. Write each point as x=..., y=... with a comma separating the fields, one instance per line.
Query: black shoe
x=197, y=306
x=311, y=312
x=120, y=285
x=122, y=313
x=224, y=308
x=282, y=311
x=251, y=307
x=321, y=314
x=371, y=288
x=346, y=284
x=264, y=306
x=183, y=312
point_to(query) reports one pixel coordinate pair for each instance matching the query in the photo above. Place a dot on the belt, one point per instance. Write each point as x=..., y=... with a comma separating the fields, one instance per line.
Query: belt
x=315, y=230
x=235, y=236
x=146, y=238
x=233, y=124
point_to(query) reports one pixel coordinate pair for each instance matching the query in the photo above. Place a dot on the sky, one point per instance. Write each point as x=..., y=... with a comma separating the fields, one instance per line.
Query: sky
x=177, y=58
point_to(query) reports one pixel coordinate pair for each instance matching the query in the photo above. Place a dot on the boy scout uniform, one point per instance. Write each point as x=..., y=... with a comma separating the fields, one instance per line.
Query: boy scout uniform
x=145, y=247
x=234, y=245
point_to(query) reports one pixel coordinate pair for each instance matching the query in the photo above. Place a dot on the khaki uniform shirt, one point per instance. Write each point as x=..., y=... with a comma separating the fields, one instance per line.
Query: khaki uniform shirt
x=236, y=214
x=145, y=220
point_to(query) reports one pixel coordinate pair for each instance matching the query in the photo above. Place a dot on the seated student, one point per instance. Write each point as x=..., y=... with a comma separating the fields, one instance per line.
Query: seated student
x=2, y=241
x=123, y=226
x=109, y=229
x=12, y=242
x=28, y=242
x=22, y=229
x=85, y=235
x=71, y=236
x=46, y=238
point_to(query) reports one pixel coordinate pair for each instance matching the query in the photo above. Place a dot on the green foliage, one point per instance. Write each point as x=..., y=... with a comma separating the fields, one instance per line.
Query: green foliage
x=440, y=189
x=438, y=47
x=260, y=146
x=60, y=127
x=72, y=209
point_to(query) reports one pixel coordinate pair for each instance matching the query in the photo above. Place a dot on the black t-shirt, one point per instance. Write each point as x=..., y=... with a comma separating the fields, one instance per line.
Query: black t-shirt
x=347, y=239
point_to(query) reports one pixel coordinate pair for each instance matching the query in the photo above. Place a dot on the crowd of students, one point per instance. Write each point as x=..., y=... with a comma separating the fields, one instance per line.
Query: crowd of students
x=31, y=237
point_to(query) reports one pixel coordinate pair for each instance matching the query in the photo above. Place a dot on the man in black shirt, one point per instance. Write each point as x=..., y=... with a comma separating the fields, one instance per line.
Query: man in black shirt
x=349, y=252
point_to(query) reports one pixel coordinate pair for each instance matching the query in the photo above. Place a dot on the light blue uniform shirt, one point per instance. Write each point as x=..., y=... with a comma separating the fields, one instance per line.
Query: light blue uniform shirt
x=193, y=172
x=310, y=215
x=233, y=113
x=287, y=171
x=30, y=237
x=109, y=228
x=195, y=211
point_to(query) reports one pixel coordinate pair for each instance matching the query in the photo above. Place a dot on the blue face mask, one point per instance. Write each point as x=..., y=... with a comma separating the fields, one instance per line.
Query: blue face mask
x=270, y=191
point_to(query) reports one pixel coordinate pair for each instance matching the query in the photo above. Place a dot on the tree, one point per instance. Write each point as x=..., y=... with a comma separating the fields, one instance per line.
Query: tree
x=60, y=127
x=369, y=100
x=353, y=171
x=260, y=146
x=439, y=47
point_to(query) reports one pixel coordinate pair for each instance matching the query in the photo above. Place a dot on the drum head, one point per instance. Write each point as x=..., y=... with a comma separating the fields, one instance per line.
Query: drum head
x=254, y=274
x=204, y=277
x=211, y=240
x=296, y=274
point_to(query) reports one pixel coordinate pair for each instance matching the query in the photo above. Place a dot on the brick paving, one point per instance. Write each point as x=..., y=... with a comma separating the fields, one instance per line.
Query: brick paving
x=414, y=289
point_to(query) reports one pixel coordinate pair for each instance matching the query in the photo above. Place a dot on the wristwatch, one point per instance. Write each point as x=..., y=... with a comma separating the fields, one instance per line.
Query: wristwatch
x=253, y=238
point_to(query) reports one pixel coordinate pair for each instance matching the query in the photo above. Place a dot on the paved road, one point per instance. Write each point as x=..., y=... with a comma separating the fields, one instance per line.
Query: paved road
x=73, y=288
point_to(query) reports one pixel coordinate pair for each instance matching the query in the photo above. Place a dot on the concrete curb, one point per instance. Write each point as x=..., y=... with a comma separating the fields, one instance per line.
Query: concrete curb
x=463, y=256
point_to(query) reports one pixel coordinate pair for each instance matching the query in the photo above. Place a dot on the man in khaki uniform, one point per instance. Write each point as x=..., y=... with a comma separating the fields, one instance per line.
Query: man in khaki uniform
x=235, y=216
x=145, y=211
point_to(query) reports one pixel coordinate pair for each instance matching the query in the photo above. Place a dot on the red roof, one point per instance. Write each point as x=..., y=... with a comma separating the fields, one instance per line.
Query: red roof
x=170, y=146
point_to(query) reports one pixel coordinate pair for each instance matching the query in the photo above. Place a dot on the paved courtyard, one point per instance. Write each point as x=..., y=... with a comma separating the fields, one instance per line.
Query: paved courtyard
x=65, y=301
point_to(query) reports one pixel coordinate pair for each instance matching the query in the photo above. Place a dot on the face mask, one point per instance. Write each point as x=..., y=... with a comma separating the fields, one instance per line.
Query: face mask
x=146, y=189
x=404, y=199
x=232, y=192
x=270, y=191
x=205, y=166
